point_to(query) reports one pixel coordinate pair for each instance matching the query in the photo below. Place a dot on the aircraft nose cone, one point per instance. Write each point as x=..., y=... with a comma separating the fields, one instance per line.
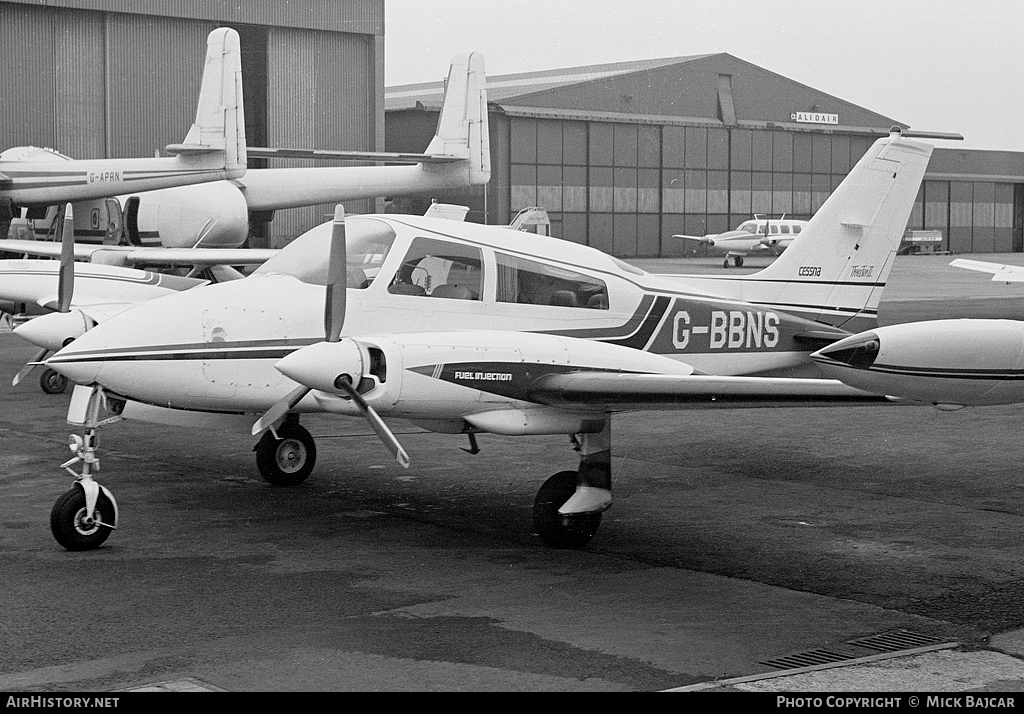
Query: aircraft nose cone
x=54, y=329
x=859, y=351
x=319, y=366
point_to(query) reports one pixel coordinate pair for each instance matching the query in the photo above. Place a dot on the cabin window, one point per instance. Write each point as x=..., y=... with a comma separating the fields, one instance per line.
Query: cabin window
x=775, y=229
x=440, y=269
x=367, y=241
x=785, y=229
x=797, y=229
x=533, y=283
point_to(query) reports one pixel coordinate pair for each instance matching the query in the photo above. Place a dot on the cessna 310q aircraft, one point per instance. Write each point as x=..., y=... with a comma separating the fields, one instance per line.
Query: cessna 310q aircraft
x=467, y=329
x=216, y=215
x=950, y=364
x=760, y=236
x=214, y=149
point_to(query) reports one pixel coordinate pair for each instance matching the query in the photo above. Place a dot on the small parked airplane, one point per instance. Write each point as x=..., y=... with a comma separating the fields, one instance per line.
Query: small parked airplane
x=950, y=364
x=213, y=150
x=466, y=329
x=759, y=236
x=216, y=215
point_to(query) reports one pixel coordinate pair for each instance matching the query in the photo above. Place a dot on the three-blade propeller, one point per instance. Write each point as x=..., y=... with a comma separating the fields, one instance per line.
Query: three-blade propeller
x=308, y=365
x=65, y=286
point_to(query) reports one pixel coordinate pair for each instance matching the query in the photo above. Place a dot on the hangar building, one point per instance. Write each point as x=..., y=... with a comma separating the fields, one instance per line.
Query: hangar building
x=115, y=78
x=625, y=155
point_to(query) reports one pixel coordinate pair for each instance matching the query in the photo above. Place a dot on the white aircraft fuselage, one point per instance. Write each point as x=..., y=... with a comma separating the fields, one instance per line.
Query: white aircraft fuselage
x=214, y=348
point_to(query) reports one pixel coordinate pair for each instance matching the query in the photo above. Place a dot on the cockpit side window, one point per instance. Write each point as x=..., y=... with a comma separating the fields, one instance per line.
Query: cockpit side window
x=526, y=281
x=440, y=269
x=367, y=241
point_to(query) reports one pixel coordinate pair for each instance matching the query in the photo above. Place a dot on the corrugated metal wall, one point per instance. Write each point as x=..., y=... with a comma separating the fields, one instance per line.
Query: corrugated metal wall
x=26, y=102
x=155, y=67
x=321, y=95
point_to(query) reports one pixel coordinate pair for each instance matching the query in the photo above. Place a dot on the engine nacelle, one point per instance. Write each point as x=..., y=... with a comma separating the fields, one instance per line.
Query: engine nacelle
x=948, y=363
x=480, y=378
x=207, y=215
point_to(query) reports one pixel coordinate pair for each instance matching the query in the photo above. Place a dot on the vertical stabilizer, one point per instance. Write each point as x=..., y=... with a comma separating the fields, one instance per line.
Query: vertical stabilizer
x=462, y=128
x=220, y=117
x=836, y=269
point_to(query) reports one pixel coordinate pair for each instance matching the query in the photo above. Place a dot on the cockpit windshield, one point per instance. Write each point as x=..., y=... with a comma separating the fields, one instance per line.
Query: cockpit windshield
x=368, y=242
x=751, y=227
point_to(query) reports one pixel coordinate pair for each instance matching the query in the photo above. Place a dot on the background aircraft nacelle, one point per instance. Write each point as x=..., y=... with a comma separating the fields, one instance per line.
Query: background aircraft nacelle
x=949, y=363
x=450, y=381
x=214, y=215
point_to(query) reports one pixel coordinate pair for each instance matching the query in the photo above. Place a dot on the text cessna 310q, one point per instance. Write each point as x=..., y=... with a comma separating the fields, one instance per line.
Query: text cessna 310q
x=466, y=329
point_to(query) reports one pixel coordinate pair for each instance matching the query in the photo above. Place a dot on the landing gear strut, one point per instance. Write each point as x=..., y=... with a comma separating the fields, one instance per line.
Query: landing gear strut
x=83, y=517
x=285, y=456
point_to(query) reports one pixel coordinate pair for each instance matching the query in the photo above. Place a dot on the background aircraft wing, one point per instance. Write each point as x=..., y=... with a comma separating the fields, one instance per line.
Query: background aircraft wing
x=198, y=256
x=1000, y=273
x=46, y=249
x=621, y=392
x=130, y=255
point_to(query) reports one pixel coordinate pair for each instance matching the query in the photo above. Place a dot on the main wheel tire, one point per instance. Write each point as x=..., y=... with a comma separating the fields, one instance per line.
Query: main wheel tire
x=288, y=460
x=53, y=382
x=739, y=262
x=556, y=530
x=69, y=525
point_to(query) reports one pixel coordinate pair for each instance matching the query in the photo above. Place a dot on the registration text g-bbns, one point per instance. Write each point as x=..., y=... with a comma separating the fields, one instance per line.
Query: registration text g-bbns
x=735, y=329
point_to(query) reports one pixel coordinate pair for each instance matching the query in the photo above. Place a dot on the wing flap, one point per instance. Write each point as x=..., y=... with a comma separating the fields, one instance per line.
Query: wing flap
x=328, y=155
x=647, y=391
x=47, y=249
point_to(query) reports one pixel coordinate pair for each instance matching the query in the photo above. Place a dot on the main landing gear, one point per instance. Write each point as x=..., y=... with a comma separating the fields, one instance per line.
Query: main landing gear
x=83, y=517
x=286, y=455
x=737, y=260
x=567, y=509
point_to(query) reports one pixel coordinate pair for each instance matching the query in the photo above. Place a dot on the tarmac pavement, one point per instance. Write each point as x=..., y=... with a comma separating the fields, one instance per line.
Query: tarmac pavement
x=738, y=538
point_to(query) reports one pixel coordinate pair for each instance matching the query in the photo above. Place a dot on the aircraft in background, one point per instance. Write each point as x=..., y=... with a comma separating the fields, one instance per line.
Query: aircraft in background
x=468, y=329
x=216, y=215
x=950, y=364
x=213, y=150
x=759, y=236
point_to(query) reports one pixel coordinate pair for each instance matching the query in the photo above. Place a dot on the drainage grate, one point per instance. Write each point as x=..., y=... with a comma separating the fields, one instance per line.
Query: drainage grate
x=896, y=640
x=893, y=641
x=809, y=658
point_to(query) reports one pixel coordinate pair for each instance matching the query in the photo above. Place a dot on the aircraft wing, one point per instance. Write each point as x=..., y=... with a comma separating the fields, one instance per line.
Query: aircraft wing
x=1000, y=273
x=327, y=155
x=198, y=256
x=622, y=392
x=698, y=239
x=47, y=249
x=130, y=255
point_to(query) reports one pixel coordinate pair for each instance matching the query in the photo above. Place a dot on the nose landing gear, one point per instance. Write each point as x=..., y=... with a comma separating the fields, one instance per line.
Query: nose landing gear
x=83, y=517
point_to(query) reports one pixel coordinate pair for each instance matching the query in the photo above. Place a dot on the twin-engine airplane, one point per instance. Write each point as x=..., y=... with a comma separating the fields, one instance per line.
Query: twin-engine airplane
x=181, y=225
x=214, y=149
x=467, y=329
x=760, y=236
x=950, y=364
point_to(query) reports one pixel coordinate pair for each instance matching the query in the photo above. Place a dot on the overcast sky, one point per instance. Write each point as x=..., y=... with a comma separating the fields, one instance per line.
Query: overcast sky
x=937, y=65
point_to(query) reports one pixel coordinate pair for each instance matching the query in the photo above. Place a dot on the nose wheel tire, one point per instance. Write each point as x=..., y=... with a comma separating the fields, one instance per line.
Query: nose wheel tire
x=556, y=530
x=52, y=382
x=288, y=460
x=71, y=526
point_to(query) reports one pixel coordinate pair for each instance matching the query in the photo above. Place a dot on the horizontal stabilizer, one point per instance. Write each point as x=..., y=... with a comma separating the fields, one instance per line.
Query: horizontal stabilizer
x=328, y=155
x=1000, y=272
